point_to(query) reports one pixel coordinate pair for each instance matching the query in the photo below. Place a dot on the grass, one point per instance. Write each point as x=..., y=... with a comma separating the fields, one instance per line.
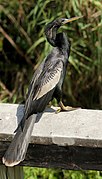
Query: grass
x=25, y=47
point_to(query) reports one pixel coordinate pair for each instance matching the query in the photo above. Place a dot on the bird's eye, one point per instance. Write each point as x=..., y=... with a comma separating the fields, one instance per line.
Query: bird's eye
x=63, y=20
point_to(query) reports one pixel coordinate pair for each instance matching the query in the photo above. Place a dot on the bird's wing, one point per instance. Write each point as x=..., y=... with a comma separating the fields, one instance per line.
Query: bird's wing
x=30, y=93
x=43, y=82
x=48, y=79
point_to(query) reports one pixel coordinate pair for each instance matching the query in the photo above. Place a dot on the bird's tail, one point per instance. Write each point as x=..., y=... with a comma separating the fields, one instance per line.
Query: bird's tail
x=18, y=147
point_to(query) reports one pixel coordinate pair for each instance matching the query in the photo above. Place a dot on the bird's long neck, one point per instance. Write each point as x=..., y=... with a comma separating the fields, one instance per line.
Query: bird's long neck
x=51, y=35
x=63, y=43
x=57, y=39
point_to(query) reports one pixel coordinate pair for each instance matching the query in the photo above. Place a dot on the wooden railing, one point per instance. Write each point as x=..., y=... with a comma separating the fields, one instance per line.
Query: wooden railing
x=68, y=140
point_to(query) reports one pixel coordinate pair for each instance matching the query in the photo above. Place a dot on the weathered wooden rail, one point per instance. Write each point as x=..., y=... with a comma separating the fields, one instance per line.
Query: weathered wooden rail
x=68, y=140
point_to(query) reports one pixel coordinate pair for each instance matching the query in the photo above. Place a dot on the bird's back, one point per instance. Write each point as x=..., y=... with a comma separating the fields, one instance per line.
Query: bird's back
x=44, y=82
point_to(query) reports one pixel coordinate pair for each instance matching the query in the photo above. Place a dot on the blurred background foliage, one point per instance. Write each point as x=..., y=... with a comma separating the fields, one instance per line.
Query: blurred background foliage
x=23, y=46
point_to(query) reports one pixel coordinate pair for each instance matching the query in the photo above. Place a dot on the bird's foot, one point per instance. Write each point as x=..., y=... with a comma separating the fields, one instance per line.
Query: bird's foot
x=65, y=108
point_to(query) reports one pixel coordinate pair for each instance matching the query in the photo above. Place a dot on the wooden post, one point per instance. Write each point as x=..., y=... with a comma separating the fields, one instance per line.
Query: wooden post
x=11, y=172
x=68, y=140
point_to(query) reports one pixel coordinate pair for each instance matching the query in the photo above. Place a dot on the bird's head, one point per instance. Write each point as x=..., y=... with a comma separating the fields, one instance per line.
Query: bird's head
x=52, y=27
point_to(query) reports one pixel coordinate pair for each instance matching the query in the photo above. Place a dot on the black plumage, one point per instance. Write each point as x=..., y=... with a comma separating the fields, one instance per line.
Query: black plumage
x=46, y=83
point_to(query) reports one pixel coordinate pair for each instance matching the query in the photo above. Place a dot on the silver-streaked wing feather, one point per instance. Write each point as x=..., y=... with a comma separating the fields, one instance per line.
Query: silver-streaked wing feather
x=48, y=79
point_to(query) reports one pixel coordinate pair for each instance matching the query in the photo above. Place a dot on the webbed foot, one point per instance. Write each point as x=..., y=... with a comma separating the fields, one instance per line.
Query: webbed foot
x=65, y=108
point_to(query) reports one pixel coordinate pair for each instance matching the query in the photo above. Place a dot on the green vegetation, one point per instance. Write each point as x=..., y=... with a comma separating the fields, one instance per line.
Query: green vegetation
x=38, y=173
x=23, y=46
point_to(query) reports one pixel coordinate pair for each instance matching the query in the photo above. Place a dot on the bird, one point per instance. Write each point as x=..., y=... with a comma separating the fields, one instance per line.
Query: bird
x=45, y=85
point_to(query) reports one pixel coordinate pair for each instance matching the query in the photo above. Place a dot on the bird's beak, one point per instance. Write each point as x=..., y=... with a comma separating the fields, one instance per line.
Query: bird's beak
x=71, y=19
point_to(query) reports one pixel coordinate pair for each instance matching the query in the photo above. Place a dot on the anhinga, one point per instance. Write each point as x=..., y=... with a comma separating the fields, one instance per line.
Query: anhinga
x=46, y=83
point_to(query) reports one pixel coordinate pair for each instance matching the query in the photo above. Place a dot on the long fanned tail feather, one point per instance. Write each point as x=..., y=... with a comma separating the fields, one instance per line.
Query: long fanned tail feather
x=18, y=147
